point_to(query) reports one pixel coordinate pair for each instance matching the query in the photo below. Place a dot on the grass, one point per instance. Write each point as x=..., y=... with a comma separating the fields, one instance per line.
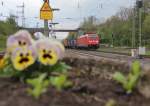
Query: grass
x=148, y=52
x=2, y=42
x=115, y=50
x=119, y=50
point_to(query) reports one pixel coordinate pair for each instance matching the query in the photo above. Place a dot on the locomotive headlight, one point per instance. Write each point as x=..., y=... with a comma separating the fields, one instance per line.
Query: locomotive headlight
x=90, y=41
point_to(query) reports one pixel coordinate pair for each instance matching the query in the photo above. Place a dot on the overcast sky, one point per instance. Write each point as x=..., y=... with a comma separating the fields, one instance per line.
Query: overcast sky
x=71, y=12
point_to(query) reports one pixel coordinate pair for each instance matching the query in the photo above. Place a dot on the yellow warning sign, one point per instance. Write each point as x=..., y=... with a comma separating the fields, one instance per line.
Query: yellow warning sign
x=46, y=12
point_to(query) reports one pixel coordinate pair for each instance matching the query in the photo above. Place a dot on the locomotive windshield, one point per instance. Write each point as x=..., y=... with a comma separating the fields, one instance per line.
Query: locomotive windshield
x=93, y=36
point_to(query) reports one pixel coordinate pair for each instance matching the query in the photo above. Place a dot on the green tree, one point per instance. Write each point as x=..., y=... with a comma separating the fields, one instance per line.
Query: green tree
x=9, y=26
x=121, y=26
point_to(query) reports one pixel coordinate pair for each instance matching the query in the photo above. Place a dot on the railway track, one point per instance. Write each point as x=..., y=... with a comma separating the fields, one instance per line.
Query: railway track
x=127, y=54
x=101, y=54
x=112, y=57
x=145, y=62
x=111, y=54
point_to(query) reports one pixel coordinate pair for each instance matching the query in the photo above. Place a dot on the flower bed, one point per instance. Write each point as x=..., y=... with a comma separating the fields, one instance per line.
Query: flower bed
x=93, y=86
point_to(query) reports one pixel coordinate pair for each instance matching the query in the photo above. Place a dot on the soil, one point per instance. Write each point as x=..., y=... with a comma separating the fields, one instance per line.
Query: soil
x=93, y=86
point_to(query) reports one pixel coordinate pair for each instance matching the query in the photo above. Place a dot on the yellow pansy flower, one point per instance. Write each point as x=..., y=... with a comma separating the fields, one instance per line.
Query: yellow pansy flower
x=23, y=58
x=47, y=56
x=47, y=52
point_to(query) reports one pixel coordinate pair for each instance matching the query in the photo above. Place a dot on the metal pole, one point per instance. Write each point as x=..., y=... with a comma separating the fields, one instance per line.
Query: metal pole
x=46, y=30
x=37, y=25
x=23, y=15
x=133, y=29
x=51, y=28
x=112, y=40
x=140, y=27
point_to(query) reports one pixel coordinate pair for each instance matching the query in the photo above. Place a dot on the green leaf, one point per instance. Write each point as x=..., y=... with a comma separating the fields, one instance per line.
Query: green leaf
x=68, y=84
x=39, y=85
x=9, y=71
x=32, y=82
x=119, y=77
x=60, y=67
x=60, y=82
x=111, y=102
x=136, y=68
x=131, y=83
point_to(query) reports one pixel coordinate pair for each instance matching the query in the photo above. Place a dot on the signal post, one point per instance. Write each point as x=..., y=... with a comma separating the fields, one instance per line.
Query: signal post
x=46, y=13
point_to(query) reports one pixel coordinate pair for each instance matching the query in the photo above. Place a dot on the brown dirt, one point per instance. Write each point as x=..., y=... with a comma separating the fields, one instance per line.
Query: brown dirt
x=93, y=86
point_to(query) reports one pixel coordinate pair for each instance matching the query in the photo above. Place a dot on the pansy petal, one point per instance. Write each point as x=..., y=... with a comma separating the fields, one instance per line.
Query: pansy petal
x=21, y=38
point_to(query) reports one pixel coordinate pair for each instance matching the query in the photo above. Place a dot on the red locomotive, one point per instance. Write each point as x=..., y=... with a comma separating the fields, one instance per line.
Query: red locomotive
x=87, y=40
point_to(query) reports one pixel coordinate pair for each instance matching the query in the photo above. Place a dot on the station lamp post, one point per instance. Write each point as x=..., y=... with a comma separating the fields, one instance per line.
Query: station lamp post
x=51, y=24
